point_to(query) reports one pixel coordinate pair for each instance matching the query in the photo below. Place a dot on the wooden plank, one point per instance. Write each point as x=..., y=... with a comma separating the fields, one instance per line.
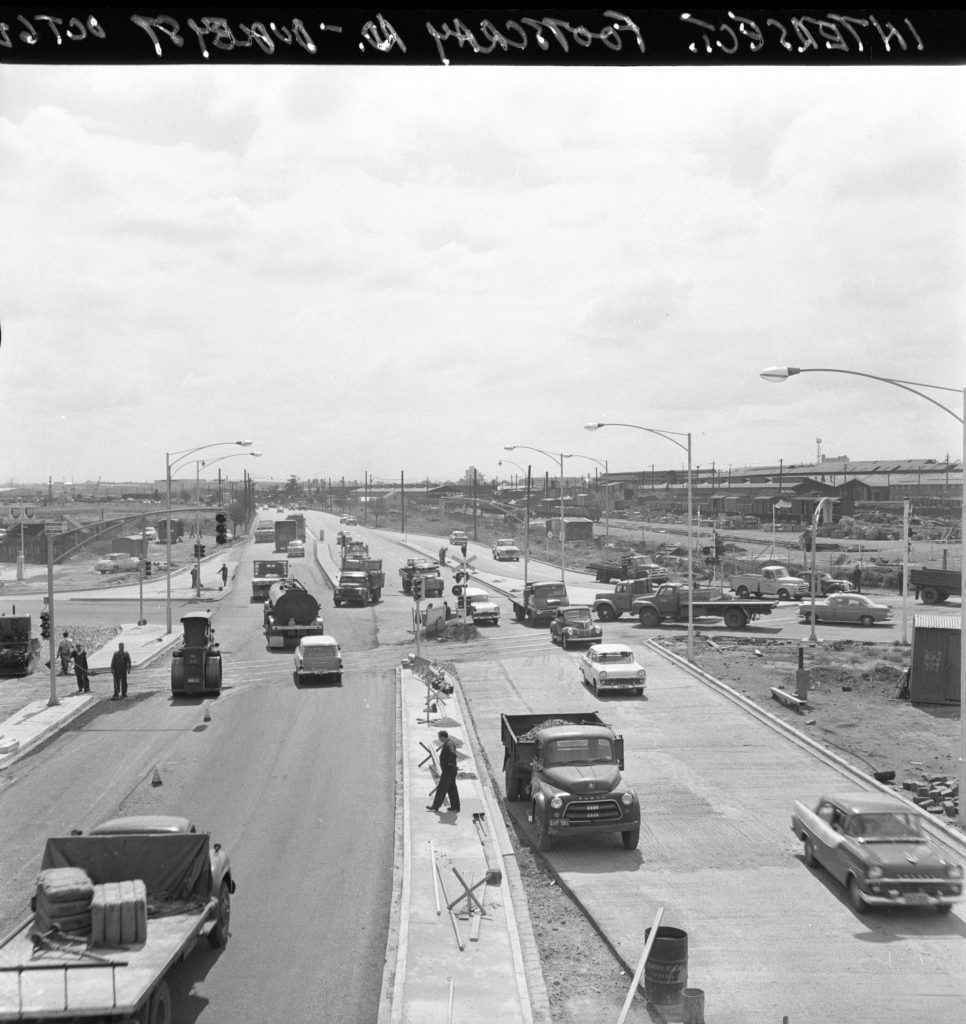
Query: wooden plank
x=788, y=699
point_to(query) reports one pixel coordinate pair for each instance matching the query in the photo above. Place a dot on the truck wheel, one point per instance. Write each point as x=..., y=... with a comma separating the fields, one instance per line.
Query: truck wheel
x=735, y=618
x=218, y=936
x=529, y=618
x=631, y=838
x=866, y=620
x=337, y=602
x=743, y=591
x=606, y=613
x=783, y=595
x=511, y=784
x=297, y=679
x=157, y=1010
x=930, y=595
x=649, y=618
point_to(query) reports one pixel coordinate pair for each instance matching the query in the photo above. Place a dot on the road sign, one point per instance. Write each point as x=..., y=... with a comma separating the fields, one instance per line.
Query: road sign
x=15, y=512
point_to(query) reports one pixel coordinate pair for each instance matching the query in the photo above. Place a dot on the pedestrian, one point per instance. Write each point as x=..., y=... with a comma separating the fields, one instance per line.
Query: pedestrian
x=64, y=650
x=120, y=666
x=446, y=787
x=857, y=578
x=80, y=670
x=194, y=578
x=224, y=575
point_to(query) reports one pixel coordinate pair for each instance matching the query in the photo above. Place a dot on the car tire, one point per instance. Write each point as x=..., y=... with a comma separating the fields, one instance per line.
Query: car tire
x=856, y=899
x=218, y=936
x=866, y=620
x=337, y=602
x=563, y=642
x=808, y=852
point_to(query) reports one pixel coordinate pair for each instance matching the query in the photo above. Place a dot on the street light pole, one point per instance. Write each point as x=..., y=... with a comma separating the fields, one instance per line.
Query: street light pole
x=602, y=462
x=550, y=455
x=777, y=374
x=672, y=436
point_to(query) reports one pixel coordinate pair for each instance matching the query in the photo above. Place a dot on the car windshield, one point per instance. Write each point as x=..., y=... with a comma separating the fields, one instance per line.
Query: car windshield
x=579, y=750
x=577, y=616
x=615, y=656
x=885, y=825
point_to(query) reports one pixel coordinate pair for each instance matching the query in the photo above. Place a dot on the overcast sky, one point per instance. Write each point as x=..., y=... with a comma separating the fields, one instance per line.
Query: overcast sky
x=403, y=270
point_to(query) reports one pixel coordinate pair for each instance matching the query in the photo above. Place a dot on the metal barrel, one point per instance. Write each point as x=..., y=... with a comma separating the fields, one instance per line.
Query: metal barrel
x=666, y=970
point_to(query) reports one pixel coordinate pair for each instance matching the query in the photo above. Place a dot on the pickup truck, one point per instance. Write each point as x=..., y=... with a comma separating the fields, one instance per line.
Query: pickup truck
x=772, y=581
x=429, y=570
x=570, y=765
x=933, y=586
x=630, y=567
x=506, y=550
x=671, y=601
x=537, y=604
x=613, y=603
x=51, y=966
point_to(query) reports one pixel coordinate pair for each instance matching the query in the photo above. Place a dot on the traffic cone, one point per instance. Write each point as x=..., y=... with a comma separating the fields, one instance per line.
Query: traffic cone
x=207, y=715
x=156, y=778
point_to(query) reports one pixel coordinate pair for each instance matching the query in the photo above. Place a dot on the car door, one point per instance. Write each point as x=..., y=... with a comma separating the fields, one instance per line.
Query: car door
x=834, y=612
x=825, y=837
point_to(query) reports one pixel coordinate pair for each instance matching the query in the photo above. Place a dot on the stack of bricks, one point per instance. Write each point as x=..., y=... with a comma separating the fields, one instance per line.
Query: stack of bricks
x=936, y=794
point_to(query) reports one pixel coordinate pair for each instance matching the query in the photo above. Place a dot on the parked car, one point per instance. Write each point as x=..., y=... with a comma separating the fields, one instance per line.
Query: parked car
x=295, y=549
x=458, y=538
x=874, y=845
x=351, y=521
x=318, y=656
x=118, y=561
x=574, y=625
x=612, y=667
x=826, y=583
x=847, y=608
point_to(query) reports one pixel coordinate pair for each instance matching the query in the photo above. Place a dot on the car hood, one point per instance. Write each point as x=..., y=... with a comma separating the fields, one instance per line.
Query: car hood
x=903, y=857
x=584, y=778
x=483, y=608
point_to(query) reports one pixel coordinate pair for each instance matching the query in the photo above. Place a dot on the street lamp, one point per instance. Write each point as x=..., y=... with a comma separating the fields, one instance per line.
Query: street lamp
x=602, y=462
x=561, y=456
x=777, y=374
x=672, y=436
x=169, y=465
x=813, y=577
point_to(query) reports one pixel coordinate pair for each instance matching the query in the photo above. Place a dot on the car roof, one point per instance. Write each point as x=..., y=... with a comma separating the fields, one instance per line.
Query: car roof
x=610, y=649
x=319, y=640
x=140, y=824
x=865, y=802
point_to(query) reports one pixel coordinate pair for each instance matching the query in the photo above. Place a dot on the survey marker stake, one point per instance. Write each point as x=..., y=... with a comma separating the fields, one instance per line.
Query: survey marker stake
x=432, y=853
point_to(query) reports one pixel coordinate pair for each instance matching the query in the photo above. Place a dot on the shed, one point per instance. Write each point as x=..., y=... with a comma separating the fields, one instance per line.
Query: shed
x=575, y=528
x=934, y=668
x=129, y=545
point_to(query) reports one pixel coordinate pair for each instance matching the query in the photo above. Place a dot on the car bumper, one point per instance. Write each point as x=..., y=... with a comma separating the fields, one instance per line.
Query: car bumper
x=894, y=898
x=621, y=684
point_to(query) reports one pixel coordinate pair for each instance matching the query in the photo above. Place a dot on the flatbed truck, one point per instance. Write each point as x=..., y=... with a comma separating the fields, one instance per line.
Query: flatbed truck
x=671, y=601
x=934, y=586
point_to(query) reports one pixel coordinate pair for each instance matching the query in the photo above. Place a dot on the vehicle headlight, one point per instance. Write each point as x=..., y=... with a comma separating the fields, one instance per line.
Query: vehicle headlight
x=568, y=631
x=642, y=674
x=556, y=803
x=875, y=871
x=954, y=871
x=603, y=675
x=595, y=630
x=627, y=799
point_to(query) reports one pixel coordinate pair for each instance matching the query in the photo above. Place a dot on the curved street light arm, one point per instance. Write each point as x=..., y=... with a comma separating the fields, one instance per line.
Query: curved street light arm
x=670, y=435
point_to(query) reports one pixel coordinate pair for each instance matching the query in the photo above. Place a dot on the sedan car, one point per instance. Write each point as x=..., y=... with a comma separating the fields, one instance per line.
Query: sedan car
x=295, y=549
x=457, y=538
x=118, y=561
x=825, y=583
x=848, y=608
x=612, y=667
x=874, y=845
x=574, y=625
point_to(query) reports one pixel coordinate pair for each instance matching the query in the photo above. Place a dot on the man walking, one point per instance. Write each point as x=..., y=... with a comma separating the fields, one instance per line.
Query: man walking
x=224, y=576
x=80, y=670
x=446, y=787
x=64, y=650
x=120, y=666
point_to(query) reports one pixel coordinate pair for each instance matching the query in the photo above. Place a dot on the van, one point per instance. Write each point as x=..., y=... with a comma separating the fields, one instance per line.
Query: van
x=318, y=656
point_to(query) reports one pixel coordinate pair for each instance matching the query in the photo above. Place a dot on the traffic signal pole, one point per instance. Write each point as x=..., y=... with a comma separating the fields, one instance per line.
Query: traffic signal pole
x=51, y=650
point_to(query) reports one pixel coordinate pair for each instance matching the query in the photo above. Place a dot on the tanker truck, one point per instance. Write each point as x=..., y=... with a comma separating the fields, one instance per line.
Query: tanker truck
x=291, y=613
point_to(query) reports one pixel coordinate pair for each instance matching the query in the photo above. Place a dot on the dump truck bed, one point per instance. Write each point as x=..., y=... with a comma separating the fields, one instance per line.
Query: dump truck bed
x=65, y=985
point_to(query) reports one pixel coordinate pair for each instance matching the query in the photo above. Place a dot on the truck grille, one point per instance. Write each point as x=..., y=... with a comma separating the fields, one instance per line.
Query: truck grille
x=598, y=810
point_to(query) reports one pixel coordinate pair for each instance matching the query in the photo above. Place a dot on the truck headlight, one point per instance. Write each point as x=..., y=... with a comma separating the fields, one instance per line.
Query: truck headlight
x=603, y=675
x=556, y=803
x=954, y=871
x=627, y=799
x=875, y=871
x=642, y=675
x=568, y=631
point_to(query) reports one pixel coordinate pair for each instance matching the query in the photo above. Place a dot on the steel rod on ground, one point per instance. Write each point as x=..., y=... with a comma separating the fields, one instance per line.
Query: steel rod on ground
x=652, y=935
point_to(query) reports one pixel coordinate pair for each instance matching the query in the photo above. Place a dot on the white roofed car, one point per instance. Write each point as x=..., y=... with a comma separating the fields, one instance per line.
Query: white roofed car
x=295, y=549
x=319, y=656
x=612, y=667
x=118, y=561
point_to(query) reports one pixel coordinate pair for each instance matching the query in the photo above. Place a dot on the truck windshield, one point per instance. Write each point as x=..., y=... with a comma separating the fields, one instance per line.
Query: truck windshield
x=579, y=750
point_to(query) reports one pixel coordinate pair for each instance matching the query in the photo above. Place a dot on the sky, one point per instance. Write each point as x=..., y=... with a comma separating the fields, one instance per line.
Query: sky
x=391, y=271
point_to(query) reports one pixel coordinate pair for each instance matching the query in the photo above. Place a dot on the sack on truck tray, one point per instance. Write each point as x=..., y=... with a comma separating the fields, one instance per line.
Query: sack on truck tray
x=63, y=900
x=119, y=913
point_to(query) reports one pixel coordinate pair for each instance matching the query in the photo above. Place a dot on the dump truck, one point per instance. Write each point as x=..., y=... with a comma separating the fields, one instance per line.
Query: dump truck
x=285, y=533
x=537, y=603
x=630, y=567
x=671, y=600
x=266, y=572
x=19, y=651
x=771, y=581
x=196, y=662
x=933, y=586
x=362, y=585
x=113, y=911
x=353, y=549
x=569, y=765
x=612, y=604
x=429, y=570
x=290, y=613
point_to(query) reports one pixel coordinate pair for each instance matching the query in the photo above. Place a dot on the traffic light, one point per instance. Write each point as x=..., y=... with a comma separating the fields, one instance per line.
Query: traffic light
x=458, y=577
x=45, y=624
x=147, y=566
x=457, y=590
x=417, y=588
x=199, y=551
x=221, y=528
